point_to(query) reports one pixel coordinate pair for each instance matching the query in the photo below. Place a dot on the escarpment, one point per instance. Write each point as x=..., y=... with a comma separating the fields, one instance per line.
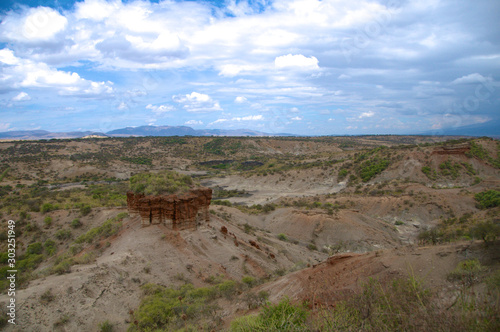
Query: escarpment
x=177, y=210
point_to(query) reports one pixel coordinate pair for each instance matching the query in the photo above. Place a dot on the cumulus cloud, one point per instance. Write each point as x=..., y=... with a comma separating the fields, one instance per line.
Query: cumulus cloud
x=297, y=118
x=160, y=109
x=122, y=106
x=33, y=25
x=22, y=96
x=240, y=100
x=298, y=61
x=377, y=52
x=193, y=123
x=368, y=114
x=197, y=102
x=240, y=119
x=4, y=126
x=472, y=79
x=23, y=73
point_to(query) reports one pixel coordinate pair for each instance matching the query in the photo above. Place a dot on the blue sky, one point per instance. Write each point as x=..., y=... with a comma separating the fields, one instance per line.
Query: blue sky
x=299, y=66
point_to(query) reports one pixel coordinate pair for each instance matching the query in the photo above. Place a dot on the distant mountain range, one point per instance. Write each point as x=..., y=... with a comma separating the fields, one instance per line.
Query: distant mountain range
x=491, y=128
x=134, y=131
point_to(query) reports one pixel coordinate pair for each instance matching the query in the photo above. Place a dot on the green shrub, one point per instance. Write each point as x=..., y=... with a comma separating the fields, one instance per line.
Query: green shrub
x=47, y=297
x=312, y=246
x=106, y=326
x=50, y=247
x=85, y=209
x=161, y=183
x=282, y=237
x=169, y=309
x=47, y=207
x=35, y=248
x=63, y=234
x=283, y=316
x=63, y=267
x=371, y=168
x=249, y=281
x=467, y=272
x=488, y=199
x=108, y=228
x=76, y=223
x=227, y=288
x=47, y=221
x=342, y=174
x=486, y=230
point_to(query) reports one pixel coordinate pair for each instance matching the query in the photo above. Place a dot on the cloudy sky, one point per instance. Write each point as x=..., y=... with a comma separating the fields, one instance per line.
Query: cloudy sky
x=298, y=66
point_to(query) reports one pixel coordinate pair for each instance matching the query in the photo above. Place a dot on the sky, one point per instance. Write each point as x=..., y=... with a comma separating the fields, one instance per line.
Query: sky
x=307, y=67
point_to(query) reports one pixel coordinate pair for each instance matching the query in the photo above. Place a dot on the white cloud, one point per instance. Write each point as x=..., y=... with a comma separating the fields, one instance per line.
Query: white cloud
x=96, y=10
x=34, y=25
x=160, y=109
x=122, y=106
x=193, y=123
x=197, y=102
x=296, y=62
x=22, y=73
x=22, y=96
x=297, y=118
x=4, y=126
x=471, y=79
x=239, y=119
x=249, y=118
x=240, y=100
x=294, y=110
x=368, y=114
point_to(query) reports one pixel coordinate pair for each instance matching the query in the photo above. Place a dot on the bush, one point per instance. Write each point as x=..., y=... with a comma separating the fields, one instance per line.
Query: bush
x=76, y=223
x=108, y=228
x=282, y=237
x=168, y=309
x=63, y=267
x=85, y=209
x=47, y=221
x=161, y=183
x=467, y=272
x=486, y=230
x=249, y=281
x=47, y=297
x=50, y=247
x=283, y=316
x=35, y=248
x=488, y=199
x=105, y=326
x=47, y=207
x=63, y=234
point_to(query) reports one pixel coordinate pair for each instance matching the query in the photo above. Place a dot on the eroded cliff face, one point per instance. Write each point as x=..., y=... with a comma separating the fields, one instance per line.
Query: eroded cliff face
x=455, y=149
x=183, y=210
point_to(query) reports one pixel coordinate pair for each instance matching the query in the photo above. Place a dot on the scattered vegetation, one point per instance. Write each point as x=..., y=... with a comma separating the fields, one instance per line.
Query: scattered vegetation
x=166, y=308
x=161, y=183
x=488, y=199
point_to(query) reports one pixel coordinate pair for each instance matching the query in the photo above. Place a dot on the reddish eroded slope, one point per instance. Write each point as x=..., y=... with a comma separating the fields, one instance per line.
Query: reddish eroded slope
x=340, y=276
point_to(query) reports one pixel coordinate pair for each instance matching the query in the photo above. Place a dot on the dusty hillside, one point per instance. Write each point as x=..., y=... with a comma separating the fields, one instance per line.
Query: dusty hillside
x=309, y=218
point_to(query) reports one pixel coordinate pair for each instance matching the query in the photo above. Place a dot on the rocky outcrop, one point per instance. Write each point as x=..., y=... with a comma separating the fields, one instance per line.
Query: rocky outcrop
x=453, y=149
x=183, y=210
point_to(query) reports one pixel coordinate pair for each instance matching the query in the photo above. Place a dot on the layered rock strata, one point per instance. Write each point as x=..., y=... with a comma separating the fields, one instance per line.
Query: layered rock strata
x=182, y=210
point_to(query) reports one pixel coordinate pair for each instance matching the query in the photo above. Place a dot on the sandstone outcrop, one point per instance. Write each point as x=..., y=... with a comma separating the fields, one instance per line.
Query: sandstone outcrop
x=181, y=210
x=453, y=149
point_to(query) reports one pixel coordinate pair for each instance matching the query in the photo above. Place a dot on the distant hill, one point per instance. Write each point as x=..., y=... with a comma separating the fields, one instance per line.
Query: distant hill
x=490, y=128
x=43, y=134
x=135, y=131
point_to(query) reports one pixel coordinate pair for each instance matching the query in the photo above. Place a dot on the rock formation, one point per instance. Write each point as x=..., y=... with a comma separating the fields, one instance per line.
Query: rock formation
x=453, y=149
x=182, y=210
